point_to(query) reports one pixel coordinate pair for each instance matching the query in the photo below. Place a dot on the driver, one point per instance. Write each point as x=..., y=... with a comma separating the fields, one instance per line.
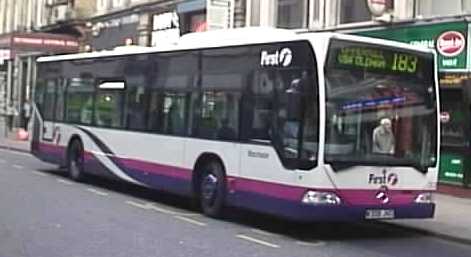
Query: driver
x=383, y=137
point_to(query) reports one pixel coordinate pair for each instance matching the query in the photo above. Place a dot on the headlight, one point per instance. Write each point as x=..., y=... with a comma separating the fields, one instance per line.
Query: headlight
x=320, y=198
x=424, y=198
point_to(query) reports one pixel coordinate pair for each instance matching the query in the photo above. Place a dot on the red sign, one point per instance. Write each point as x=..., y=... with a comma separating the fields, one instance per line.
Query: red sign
x=43, y=42
x=377, y=7
x=451, y=43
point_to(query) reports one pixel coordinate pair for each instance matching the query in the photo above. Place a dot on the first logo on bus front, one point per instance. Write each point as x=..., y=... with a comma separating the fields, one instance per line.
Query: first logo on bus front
x=384, y=179
x=281, y=57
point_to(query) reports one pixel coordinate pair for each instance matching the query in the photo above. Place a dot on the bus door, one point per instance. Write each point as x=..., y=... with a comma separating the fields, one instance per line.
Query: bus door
x=280, y=118
x=48, y=110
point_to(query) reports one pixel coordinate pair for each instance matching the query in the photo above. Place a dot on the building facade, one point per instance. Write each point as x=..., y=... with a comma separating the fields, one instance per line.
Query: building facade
x=341, y=14
x=150, y=23
x=29, y=28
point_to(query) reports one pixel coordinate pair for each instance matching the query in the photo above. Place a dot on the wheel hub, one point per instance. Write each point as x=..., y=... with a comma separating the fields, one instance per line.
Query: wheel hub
x=209, y=187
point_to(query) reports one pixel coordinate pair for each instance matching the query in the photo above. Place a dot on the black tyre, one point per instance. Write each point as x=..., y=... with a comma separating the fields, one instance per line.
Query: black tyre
x=75, y=161
x=212, y=189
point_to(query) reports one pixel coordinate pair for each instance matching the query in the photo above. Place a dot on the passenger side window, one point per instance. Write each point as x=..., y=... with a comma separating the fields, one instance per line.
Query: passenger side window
x=174, y=113
x=219, y=115
x=156, y=103
x=39, y=92
x=79, y=100
x=109, y=104
x=60, y=97
x=224, y=74
x=260, y=99
x=136, y=106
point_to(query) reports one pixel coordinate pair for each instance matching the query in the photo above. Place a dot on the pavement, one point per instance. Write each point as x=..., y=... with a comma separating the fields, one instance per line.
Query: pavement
x=13, y=144
x=452, y=219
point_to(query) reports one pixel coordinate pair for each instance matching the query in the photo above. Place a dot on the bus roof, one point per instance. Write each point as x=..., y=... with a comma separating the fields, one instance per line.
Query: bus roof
x=232, y=37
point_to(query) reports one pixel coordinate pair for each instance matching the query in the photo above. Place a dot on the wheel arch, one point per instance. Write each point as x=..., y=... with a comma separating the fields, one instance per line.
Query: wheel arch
x=202, y=160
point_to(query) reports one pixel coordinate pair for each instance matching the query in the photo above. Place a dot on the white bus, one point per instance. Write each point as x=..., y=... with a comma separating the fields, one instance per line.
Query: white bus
x=307, y=126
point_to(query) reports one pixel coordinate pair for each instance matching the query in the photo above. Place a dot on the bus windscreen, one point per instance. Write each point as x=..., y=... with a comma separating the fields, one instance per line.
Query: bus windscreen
x=381, y=106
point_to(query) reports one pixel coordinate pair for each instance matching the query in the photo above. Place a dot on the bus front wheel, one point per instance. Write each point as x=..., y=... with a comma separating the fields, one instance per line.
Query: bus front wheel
x=75, y=161
x=212, y=189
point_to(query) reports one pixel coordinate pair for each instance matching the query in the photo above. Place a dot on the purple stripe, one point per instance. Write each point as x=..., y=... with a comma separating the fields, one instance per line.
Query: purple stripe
x=51, y=148
x=155, y=168
x=89, y=157
x=280, y=191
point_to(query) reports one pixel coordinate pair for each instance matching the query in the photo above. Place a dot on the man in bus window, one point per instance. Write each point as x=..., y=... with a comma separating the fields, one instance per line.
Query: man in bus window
x=383, y=137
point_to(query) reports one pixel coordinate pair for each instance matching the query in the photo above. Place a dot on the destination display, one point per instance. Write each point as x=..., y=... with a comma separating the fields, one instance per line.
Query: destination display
x=370, y=58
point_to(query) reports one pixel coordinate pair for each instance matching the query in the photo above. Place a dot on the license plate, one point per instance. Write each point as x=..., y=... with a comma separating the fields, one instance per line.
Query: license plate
x=379, y=214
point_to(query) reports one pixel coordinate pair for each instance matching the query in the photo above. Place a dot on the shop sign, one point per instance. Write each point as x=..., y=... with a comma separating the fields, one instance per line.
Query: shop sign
x=377, y=7
x=451, y=43
x=449, y=39
x=46, y=42
x=165, y=28
x=451, y=168
x=114, y=23
x=452, y=80
x=18, y=42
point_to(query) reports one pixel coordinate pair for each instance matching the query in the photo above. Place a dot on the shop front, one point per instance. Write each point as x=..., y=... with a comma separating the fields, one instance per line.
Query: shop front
x=18, y=53
x=450, y=39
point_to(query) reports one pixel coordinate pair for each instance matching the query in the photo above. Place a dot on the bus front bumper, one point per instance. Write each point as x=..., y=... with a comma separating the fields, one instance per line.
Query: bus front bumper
x=358, y=213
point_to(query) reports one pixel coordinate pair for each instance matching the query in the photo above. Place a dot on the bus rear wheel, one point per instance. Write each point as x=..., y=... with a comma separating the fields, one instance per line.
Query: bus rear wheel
x=212, y=189
x=75, y=161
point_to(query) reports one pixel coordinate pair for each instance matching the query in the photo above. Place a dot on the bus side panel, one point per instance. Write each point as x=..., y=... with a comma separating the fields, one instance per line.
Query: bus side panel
x=148, y=159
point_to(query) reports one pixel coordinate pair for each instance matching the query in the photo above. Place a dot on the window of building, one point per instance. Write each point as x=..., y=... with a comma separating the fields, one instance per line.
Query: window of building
x=254, y=12
x=315, y=14
x=453, y=131
x=102, y=5
x=79, y=100
x=353, y=11
x=291, y=14
x=430, y=8
x=193, y=22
